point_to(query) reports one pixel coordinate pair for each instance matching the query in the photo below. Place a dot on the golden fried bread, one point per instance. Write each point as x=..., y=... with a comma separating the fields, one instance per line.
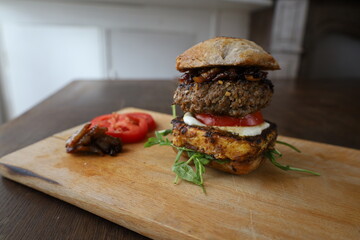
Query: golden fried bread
x=243, y=153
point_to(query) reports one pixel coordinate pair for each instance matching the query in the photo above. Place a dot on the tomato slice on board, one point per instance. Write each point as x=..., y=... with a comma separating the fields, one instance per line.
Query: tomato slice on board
x=129, y=128
x=149, y=119
x=252, y=119
x=101, y=121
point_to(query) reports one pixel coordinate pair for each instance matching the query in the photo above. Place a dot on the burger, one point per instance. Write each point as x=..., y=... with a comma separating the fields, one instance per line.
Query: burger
x=222, y=90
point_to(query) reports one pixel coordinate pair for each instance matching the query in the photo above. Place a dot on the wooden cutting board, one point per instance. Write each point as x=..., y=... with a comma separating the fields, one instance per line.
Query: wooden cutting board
x=135, y=189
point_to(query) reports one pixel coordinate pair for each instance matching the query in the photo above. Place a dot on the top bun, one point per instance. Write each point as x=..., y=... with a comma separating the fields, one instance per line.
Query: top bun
x=226, y=51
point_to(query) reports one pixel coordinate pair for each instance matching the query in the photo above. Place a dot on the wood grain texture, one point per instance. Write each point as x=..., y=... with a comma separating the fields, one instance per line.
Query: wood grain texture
x=135, y=190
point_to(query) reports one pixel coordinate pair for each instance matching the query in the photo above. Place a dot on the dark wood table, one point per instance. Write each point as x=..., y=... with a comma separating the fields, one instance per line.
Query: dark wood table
x=328, y=113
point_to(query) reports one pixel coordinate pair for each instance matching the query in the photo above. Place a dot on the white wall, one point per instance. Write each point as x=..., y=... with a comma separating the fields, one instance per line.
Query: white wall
x=47, y=44
x=131, y=58
x=40, y=59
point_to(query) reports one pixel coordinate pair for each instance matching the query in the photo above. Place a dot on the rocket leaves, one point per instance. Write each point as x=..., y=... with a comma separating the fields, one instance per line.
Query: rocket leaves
x=159, y=139
x=273, y=154
x=183, y=169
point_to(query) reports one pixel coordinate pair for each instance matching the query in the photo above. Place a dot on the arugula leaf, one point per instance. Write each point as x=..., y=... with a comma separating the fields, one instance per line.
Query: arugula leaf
x=273, y=154
x=182, y=169
x=165, y=132
x=186, y=172
x=203, y=158
x=173, y=109
x=151, y=142
x=178, y=155
x=200, y=169
x=158, y=139
x=221, y=161
x=289, y=145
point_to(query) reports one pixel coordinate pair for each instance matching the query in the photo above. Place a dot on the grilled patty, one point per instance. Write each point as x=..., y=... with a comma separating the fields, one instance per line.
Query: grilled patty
x=243, y=153
x=235, y=98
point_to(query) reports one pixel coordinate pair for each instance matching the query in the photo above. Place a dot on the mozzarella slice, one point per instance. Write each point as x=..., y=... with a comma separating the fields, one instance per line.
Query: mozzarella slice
x=241, y=131
x=190, y=120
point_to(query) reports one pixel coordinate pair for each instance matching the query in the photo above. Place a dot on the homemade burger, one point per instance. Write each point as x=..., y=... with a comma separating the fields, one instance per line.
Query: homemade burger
x=222, y=91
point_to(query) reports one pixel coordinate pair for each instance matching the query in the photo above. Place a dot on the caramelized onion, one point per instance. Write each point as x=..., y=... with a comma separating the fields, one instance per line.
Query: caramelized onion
x=93, y=140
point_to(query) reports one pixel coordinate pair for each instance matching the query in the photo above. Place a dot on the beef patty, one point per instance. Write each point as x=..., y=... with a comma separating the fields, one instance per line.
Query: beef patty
x=235, y=98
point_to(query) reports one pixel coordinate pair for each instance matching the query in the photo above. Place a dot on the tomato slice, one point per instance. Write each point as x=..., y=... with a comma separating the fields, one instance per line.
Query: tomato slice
x=252, y=119
x=149, y=119
x=129, y=128
x=101, y=121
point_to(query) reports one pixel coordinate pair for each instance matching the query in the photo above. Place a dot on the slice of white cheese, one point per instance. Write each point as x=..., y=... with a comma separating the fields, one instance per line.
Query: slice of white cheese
x=246, y=131
x=190, y=120
x=241, y=131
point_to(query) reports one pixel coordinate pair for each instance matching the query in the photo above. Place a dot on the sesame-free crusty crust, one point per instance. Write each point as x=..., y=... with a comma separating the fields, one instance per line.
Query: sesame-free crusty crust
x=226, y=51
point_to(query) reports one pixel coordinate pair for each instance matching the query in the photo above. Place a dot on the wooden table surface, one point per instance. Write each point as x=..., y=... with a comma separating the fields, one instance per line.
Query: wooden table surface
x=326, y=113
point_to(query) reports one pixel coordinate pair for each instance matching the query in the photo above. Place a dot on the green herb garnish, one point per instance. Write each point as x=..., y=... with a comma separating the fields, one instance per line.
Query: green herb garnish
x=288, y=145
x=182, y=169
x=273, y=154
x=173, y=110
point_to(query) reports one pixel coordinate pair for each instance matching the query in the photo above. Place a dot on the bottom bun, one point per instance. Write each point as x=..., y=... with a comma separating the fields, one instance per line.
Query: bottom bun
x=237, y=154
x=238, y=167
x=234, y=167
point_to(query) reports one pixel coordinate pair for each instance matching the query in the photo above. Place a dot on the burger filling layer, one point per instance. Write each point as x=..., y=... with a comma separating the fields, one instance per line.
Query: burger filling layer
x=200, y=75
x=189, y=119
x=223, y=145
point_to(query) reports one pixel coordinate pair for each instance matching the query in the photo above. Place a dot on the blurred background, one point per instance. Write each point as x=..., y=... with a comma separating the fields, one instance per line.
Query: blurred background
x=46, y=44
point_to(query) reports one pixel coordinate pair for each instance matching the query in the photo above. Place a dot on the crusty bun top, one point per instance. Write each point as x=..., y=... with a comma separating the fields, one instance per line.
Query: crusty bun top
x=226, y=51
